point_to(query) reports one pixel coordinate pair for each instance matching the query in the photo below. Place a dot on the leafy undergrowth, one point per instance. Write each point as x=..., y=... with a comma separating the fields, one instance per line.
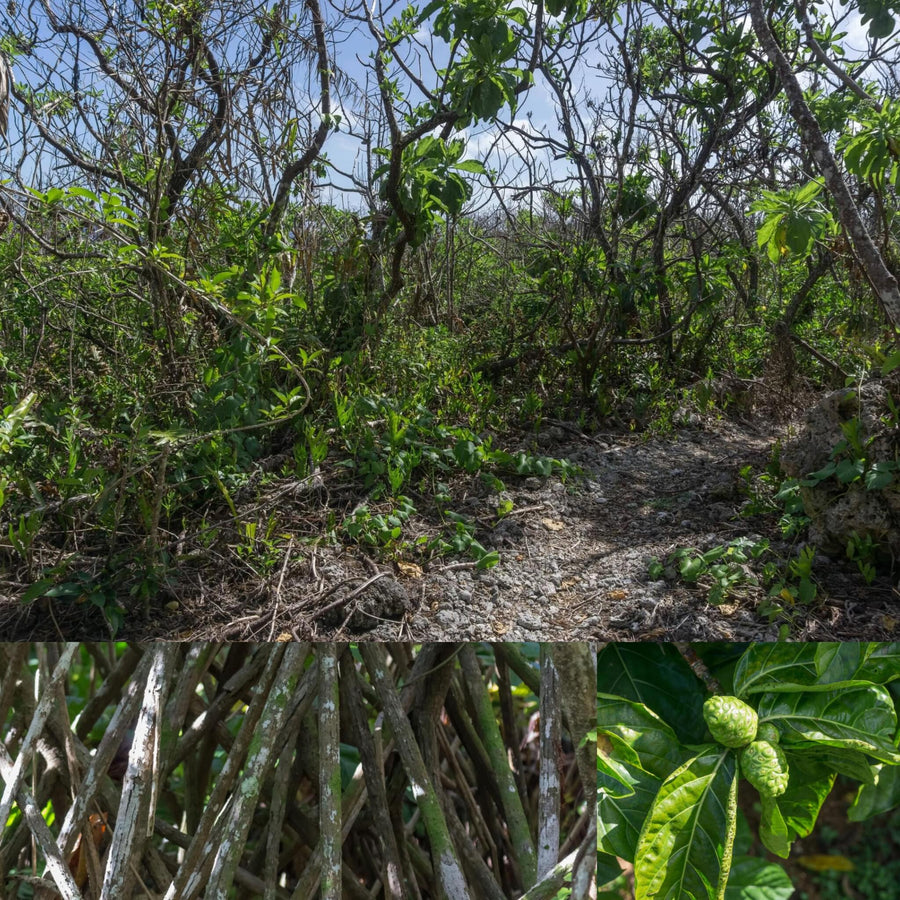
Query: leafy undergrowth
x=399, y=495
x=172, y=515
x=776, y=564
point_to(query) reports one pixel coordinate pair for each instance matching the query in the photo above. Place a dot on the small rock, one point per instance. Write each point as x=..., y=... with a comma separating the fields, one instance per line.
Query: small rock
x=448, y=618
x=383, y=599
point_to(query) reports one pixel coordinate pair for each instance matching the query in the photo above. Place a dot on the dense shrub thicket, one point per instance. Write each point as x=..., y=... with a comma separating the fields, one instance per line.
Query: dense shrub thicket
x=184, y=301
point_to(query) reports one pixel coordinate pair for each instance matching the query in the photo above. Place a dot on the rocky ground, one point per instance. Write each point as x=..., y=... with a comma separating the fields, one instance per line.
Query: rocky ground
x=574, y=560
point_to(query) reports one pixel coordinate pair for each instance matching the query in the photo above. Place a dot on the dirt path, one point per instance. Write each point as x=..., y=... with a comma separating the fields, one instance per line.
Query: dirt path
x=574, y=561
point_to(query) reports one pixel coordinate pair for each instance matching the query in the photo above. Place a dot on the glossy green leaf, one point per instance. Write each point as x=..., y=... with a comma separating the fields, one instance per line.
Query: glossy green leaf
x=684, y=851
x=788, y=668
x=615, y=760
x=880, y=475
x=857, y=718
x=850, y=763
x=799, y=235
x=874, y=799
x=848, y=470
x=814, y=478
x=882, y=664
x=755, y=879
x=810, y=784
x=83, y=192
x=621, y=813
x=773, y=830
x=658, y=676
x=646, y=733
x=608, y=869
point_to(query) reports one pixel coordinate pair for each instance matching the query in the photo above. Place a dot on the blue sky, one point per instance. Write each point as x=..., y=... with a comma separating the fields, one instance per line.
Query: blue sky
x=352, y=45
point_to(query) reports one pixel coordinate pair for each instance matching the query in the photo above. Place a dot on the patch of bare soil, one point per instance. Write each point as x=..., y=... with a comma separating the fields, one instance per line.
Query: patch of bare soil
x=573, y=559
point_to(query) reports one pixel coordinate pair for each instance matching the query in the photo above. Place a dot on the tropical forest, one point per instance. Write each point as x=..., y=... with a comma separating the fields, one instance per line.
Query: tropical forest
x=502, y=320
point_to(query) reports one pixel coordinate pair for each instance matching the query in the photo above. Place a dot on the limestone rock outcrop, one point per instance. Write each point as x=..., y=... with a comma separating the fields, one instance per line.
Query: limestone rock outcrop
x=838, y=507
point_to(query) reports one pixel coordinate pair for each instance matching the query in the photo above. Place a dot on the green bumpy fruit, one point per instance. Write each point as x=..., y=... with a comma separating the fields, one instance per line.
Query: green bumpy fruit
x=768, y=732
x=765, y=766
x=731, y=722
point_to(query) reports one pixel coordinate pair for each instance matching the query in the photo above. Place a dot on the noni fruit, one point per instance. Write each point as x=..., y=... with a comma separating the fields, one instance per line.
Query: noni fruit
x=731, y=722
x=768, y=732
x=765, y=766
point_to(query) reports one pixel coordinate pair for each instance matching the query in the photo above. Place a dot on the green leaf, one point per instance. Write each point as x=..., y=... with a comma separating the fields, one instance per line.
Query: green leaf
x=891, y=362
x=882, y=664
x=66, y=589
x=614, y=761
x=799, y=235
x=773, y=830
x=850, y=763
x=466, y=454
x=880, y=475
x=808, y=192
x=806, y=591
x=608, y=870
x=755, y=879
x=857, y=719
x=657, y=676
x=487, y=98
x=814, y=478
x=83, y=192
x=684, y=851
x=488, y=560
x=38, y=589
x=471, y=165
x=788, y=668
x=453, y=195
x=848, y=470
x=883, y=795
x=626, y=792
x=767, y=230
x=655, y=743
x=882, y=25
x=692, y=568
x=429, y=10
x=810, y=783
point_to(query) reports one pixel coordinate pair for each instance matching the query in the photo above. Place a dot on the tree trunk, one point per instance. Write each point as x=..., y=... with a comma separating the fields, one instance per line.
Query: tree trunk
x=880, y=277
